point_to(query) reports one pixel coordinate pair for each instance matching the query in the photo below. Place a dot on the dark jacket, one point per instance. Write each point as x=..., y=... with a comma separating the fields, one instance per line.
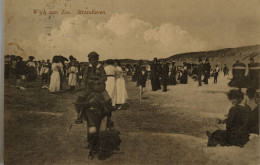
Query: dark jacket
x=237, y=120
x=20, y=68
x=238, y=70
x=200, y=70
x=95, y=78
x=154, y=71
x=165, y=71
x=206, y=69
x=253, y=123
x=142, y=78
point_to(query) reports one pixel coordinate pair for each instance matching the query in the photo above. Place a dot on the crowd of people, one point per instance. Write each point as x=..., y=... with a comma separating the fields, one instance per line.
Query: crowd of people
x=163, y=73
x=53, y=74
x=104, y=85
x=243, y=116
x=104, y=82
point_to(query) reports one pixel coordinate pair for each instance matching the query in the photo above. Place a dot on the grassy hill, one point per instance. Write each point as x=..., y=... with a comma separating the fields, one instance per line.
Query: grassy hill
x=223, y=56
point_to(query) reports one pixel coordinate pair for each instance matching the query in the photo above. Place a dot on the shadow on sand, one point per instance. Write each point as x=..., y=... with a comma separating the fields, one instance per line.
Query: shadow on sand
x=145, y=98
x=213, y=92
x=109, y=143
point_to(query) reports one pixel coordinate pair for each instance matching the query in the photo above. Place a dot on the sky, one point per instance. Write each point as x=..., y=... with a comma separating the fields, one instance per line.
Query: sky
x=129, y=29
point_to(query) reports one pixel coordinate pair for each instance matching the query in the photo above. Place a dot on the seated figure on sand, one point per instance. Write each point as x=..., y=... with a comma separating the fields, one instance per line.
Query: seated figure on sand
x=236, y=133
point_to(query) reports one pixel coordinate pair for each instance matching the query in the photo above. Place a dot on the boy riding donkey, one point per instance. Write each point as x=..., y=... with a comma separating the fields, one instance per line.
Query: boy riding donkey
x=95, y=104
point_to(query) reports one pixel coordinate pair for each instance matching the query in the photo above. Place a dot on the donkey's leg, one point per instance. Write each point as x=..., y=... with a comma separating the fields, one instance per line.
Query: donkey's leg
x=93, y=133
x=92, y=136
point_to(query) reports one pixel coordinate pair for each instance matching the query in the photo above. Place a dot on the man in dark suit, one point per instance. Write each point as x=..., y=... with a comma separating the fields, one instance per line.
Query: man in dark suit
x=173, y=74
x=200, y=71
x=165, y=77
x=207, y=68
x=155, y=75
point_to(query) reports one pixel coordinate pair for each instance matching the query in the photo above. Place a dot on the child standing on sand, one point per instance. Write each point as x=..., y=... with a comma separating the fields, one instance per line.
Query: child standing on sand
x=141, y=82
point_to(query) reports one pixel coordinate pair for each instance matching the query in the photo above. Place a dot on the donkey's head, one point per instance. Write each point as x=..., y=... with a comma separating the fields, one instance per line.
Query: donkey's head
x=95, y=99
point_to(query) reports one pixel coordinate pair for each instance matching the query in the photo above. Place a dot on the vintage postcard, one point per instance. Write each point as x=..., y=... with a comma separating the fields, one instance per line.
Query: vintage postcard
x=131, y=82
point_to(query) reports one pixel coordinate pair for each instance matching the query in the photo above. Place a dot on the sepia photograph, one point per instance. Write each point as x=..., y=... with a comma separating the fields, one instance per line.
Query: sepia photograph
x=131, y=82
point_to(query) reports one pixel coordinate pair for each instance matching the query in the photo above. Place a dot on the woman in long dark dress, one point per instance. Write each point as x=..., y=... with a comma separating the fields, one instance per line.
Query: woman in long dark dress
x=31, y=74
x=155, y=75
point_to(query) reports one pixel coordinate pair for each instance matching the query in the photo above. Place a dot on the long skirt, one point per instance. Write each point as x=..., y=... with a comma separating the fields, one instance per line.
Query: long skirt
x=155, y=84
x=111, y=89
x=172, y=79
x=121, y=93
x=228, y=138
x=31, y=74
x=239, y=82
x=72, y=79
x=55, y=82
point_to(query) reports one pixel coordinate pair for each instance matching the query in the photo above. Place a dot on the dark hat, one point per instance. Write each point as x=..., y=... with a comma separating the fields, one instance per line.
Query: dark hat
x=251, y=58
x=207, y=59
x=72, y=58
x=250, y=92
x=55, y=59
x=110, y=62
x=235, y=94
x=93, y=55
x=154, y=58
x=200, y=59
x=19, y=58
x=117, y=62
x=31, y=57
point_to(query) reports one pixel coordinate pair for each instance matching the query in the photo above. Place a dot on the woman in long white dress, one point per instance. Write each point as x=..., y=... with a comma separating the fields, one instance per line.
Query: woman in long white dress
x=73, y=70
x=56, y=68
x=121, y=93
x=111, y=73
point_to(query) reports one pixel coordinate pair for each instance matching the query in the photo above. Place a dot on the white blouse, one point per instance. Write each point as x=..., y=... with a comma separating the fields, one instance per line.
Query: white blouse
x=110, y=70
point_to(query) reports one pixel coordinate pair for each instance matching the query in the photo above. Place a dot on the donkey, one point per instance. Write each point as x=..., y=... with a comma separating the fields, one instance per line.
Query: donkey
x=93, y=112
